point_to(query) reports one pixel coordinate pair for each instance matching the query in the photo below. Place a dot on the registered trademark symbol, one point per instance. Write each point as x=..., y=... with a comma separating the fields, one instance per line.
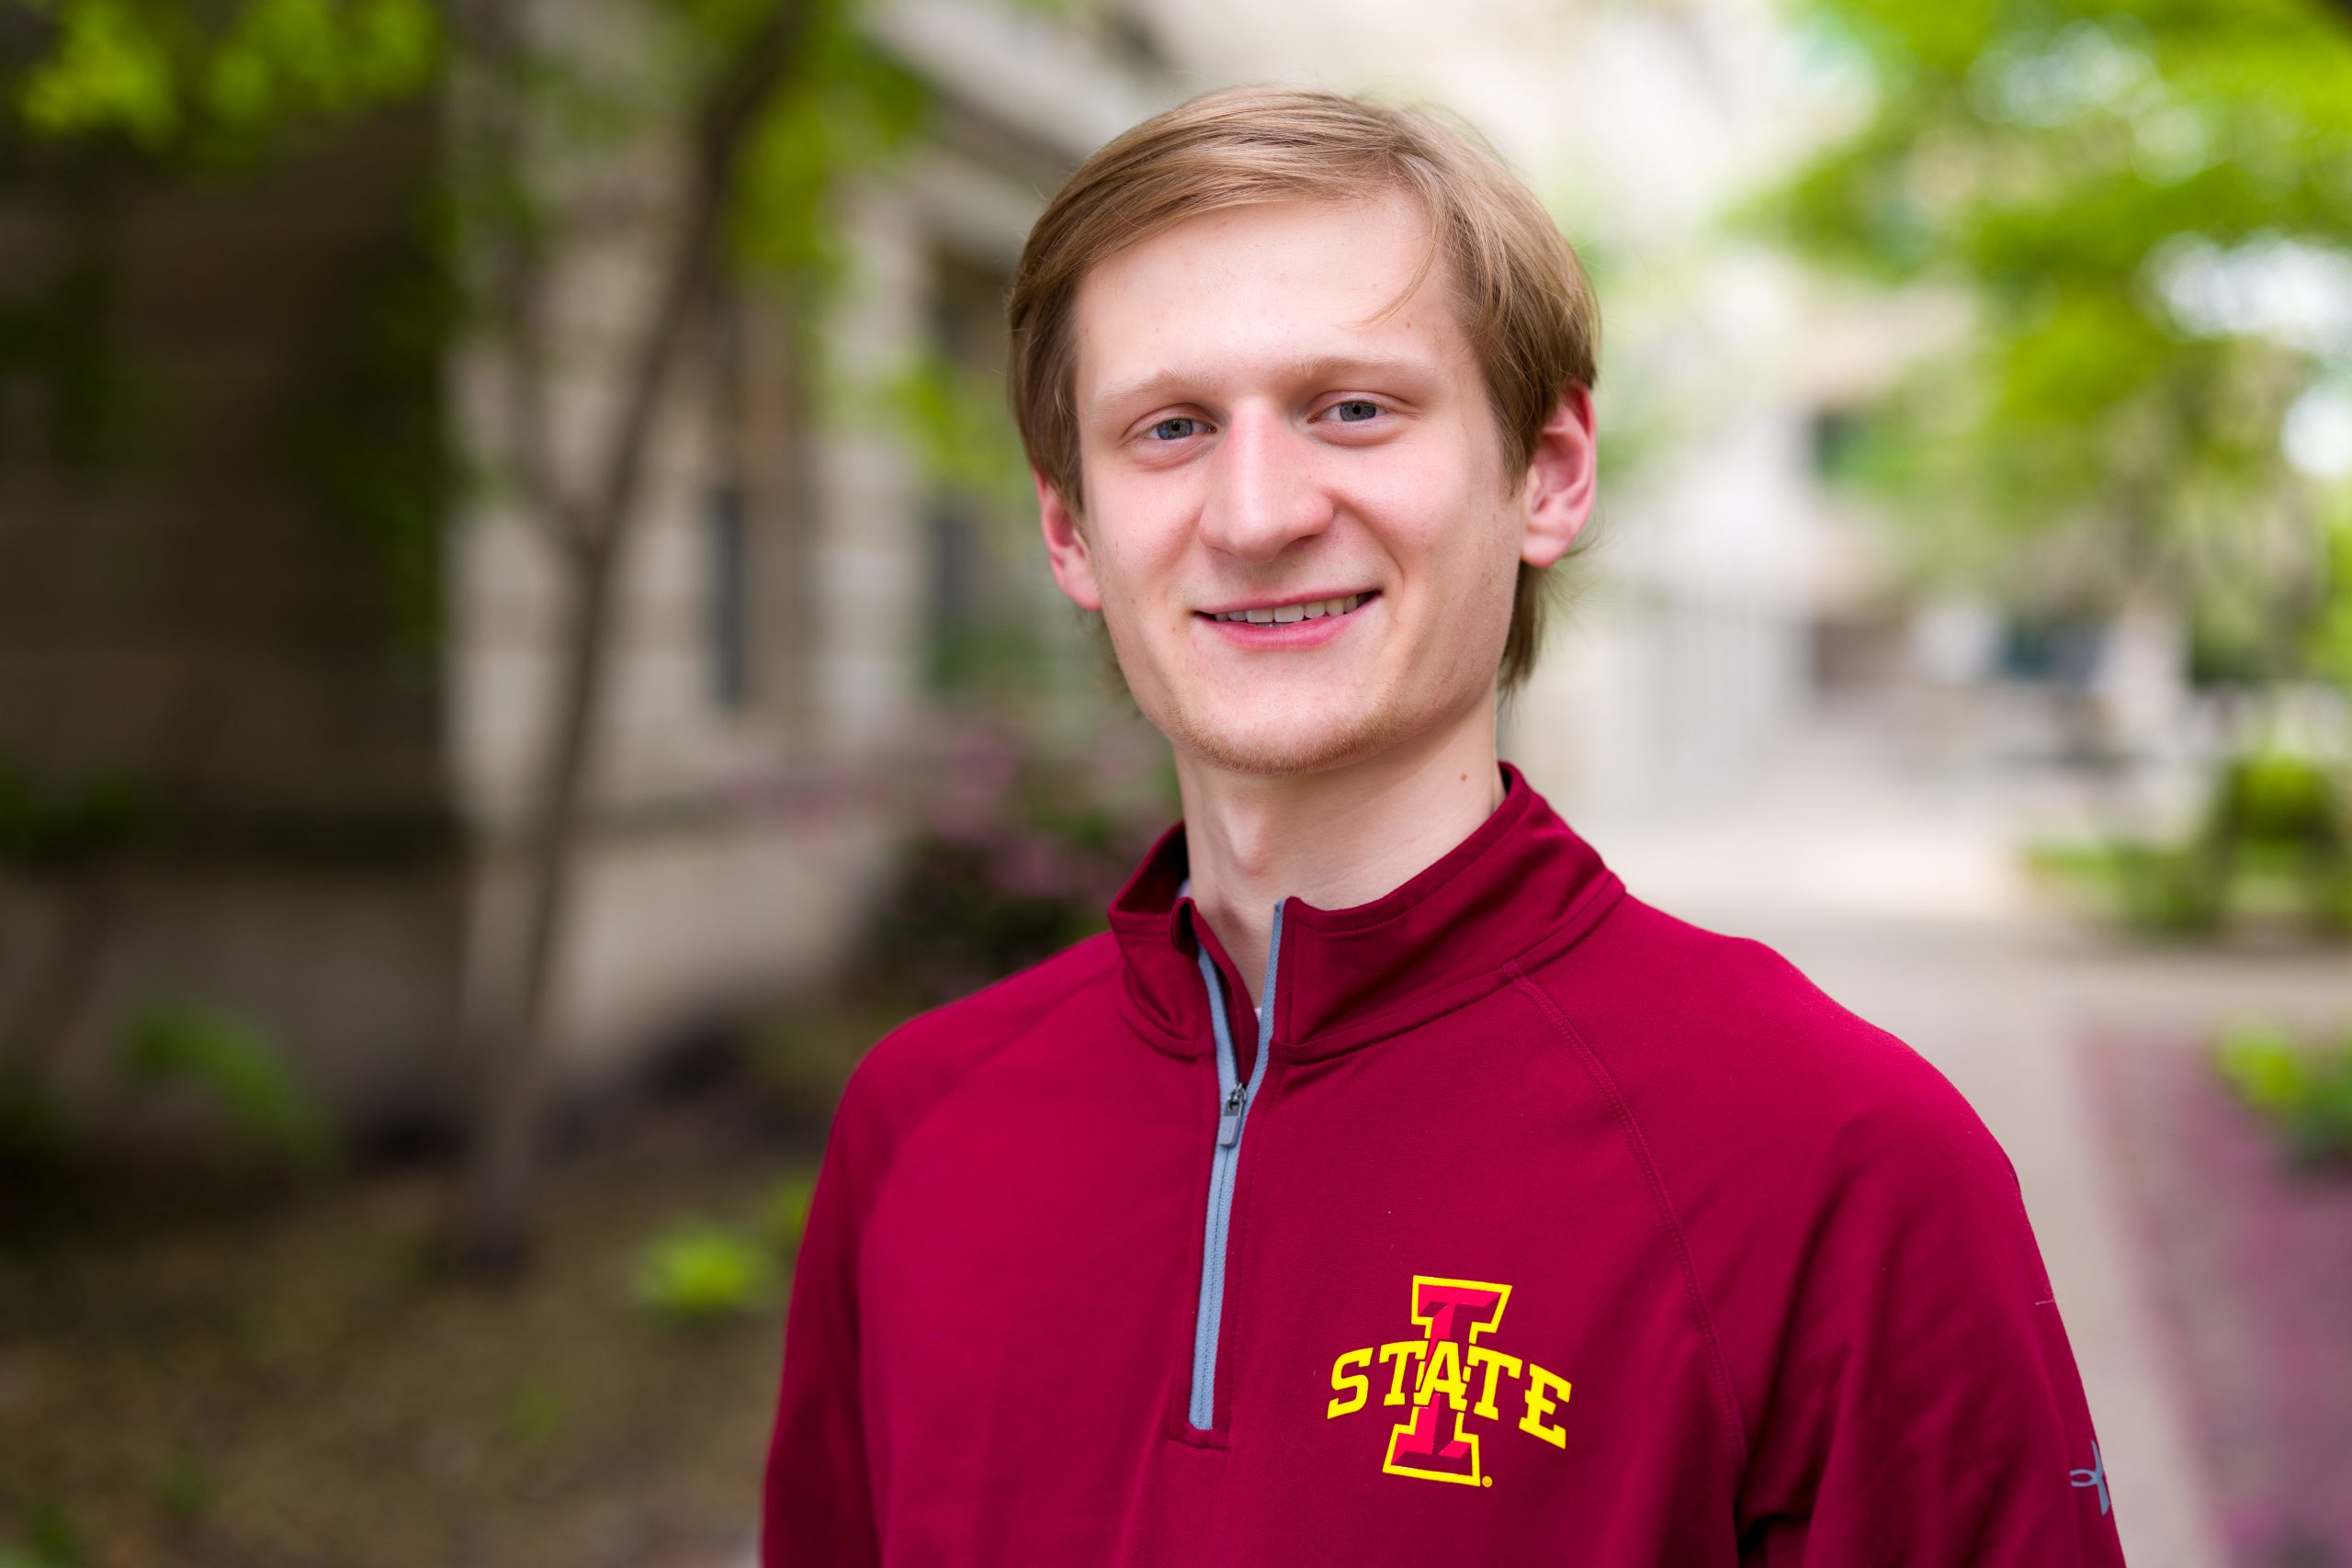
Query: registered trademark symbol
x=1486, y=1480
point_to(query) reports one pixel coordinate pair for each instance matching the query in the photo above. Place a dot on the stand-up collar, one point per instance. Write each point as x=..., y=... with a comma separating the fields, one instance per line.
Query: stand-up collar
x=1523, y=885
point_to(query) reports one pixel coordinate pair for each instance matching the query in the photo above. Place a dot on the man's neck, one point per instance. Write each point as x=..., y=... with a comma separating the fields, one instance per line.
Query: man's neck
x=1336, y=838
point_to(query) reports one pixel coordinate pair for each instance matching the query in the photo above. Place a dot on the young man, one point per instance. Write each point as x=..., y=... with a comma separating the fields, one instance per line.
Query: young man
x=1388, y=1184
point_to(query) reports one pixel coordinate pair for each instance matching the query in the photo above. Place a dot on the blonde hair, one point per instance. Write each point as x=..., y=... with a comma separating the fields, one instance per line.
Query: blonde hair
x=1520, y=294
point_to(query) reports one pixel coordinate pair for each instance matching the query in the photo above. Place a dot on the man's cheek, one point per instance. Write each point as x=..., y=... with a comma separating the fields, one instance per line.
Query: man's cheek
x=1137, y=660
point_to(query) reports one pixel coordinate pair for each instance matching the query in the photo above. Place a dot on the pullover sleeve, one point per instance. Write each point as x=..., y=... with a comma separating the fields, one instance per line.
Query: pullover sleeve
x=1926, y=1409
x=817, y=1504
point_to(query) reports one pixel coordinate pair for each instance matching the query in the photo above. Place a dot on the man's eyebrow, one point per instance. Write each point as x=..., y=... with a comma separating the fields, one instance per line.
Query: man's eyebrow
x=1333, y=368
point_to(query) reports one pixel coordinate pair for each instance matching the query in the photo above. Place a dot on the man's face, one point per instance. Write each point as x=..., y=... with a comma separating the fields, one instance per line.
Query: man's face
x=1299, y=523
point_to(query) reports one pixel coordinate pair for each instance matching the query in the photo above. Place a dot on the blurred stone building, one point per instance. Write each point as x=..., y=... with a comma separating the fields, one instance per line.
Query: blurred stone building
x=1730, y=584
x=321, y=812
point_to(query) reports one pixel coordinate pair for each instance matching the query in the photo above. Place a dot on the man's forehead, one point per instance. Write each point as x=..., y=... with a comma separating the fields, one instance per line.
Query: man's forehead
x=1271, y=289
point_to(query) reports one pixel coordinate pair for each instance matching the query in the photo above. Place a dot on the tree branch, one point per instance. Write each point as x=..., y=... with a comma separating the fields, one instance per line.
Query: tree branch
x=491, y=1227
x=723, y=128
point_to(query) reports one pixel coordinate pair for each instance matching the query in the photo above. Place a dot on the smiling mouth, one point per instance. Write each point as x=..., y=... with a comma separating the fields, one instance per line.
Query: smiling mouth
x=1302, y=610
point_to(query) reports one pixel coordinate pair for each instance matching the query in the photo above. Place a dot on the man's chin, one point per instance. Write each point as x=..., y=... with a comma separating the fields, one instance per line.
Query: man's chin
x=1308, y=745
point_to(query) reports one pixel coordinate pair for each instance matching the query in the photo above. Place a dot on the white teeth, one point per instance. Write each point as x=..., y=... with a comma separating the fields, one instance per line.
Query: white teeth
x=1282, y=614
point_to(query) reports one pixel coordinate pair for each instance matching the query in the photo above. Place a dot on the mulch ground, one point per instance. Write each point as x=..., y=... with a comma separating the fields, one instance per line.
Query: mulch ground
x=291, y=1381
x=2248, y=1259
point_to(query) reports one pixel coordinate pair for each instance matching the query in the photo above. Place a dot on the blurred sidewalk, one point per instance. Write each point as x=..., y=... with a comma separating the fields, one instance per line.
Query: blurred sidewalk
x=1876, y=850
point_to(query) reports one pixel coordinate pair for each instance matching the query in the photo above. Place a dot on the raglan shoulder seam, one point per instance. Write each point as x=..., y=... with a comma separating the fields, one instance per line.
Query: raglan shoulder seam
x=1638, y=1143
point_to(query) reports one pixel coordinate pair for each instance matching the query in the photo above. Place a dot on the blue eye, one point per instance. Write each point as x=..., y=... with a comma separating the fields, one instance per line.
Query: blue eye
x=1355, y=410
x=1175, y=429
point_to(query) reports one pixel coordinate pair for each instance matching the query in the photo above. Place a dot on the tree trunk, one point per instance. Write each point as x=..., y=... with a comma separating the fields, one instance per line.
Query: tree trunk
x=490, y=1226
x=493, y=1217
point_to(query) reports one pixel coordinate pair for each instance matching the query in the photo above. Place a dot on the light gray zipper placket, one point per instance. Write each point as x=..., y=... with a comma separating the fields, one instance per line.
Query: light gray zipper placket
x=1234, y=1100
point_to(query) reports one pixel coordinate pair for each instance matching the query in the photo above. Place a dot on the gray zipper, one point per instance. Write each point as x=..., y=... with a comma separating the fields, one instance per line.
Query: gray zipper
x=1234, y=1110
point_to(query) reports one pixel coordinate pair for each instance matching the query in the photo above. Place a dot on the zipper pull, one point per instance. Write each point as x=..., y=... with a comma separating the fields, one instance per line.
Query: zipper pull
x=1229, y=1126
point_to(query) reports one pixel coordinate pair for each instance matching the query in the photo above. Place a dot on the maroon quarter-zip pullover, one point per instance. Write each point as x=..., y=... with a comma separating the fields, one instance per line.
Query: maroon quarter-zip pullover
x=1523, y=1223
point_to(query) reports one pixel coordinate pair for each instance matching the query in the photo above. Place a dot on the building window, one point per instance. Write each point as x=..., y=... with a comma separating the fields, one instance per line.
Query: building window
x=1835, y=438
x=728, y=632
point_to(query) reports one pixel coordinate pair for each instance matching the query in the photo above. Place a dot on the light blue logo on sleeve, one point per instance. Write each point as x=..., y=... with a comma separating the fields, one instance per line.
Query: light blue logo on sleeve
x=2095, y=1476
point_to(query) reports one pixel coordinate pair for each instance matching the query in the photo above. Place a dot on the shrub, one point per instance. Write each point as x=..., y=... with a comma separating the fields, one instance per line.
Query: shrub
x=239, y=1068
x=700, y=1270
x=2271, y=838
x=1018, y=851
x=2304, y=1093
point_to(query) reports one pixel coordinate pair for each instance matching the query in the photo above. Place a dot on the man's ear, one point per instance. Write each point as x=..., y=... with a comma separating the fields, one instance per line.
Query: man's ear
x=1556, y=496
x=1065, y=546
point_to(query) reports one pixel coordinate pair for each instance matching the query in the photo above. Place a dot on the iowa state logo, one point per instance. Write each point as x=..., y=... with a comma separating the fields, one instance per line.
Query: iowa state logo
x=1452, y=1378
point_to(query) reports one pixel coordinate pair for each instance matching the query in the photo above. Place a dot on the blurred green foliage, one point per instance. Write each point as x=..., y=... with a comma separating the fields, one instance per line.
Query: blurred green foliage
x=993, y=649
x=240, y=1069
x=216, y=87
x=537, y=1413
x=2304, y=1093
x=210, y=80
x=2278, y=797
x=786, y=1214
x=186, y=1486
x=2148, y=206
x=55, y=342
x=45, y=826
x=851, y=110
x=699, y=1269
x=55, y=1540
x=2154, y=889
x=373, y=442
x=2276, y=837
x=956, y=417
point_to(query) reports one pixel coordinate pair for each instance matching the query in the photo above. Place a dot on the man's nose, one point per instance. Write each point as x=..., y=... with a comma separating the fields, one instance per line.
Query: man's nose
x=1265, y=489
